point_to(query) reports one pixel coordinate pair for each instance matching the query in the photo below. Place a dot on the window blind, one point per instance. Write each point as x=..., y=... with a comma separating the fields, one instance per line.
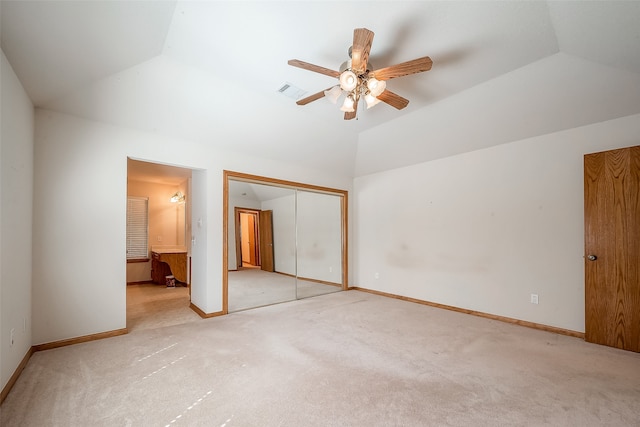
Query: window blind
x=137, y=227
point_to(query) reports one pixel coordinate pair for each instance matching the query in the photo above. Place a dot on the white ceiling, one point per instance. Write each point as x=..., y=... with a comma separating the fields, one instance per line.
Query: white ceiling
x=210, y=71
x=256, y=192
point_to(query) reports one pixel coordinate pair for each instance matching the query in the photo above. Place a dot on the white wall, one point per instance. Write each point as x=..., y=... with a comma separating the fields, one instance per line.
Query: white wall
x=79, y=218
x=16, y=183
x=203, y=288
x=485, y=229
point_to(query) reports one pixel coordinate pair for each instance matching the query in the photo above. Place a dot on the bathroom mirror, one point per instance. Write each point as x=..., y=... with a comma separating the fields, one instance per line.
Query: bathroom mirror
x=285, y=241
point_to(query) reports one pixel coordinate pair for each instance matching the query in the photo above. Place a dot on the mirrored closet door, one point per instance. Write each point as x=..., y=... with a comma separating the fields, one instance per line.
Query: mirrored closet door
x=285, y=241
x=318, y=243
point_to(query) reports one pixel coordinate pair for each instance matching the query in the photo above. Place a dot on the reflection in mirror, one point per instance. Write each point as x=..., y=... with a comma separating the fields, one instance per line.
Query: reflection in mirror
x=261, y=245
x=285, y=241
x=319, y=243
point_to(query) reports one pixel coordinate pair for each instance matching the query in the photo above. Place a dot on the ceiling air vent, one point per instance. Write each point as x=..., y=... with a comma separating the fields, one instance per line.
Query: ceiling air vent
x=291, y=91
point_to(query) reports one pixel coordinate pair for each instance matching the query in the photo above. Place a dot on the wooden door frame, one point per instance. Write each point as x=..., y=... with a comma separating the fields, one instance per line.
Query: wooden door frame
x=237, y=211
x=256, y=179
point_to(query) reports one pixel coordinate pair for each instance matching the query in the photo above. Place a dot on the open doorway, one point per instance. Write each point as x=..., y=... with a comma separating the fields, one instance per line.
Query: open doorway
x=158, y=252
x=247, y=238
x=254, y=239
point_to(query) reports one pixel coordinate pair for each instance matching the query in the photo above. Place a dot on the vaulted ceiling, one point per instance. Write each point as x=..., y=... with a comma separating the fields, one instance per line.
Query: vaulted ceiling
x=211, y=71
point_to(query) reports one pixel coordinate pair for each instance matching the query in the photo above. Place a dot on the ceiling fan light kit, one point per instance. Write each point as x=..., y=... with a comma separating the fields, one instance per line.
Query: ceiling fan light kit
x=349, y=105
x=371, y=100
x=357, y=81
x=375, y=86
x=333, y=94
x=348, y=80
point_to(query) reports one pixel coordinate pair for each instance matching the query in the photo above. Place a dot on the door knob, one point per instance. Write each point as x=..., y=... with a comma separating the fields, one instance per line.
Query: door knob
x=592, y=257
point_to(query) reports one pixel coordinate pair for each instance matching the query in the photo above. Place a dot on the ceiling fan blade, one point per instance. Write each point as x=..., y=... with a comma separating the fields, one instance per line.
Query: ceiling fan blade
x=311, y=98
x=393, y=99
x=362, y=39
x=352, y=115
x=314, y=68
x=410, y=67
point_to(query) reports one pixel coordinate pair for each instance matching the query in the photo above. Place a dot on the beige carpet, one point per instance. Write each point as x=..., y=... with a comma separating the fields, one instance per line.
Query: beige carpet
x=152, y=306
x=250, y=288
x=342, y=359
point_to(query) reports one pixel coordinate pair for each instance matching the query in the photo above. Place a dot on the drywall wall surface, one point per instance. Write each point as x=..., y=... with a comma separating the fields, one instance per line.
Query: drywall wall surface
x=16, y=183
x=486, y=229
x=80, y=211
x=79, y=284
x=205, y=290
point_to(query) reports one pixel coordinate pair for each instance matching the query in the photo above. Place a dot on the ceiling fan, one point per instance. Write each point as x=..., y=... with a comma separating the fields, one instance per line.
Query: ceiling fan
x=357, y=81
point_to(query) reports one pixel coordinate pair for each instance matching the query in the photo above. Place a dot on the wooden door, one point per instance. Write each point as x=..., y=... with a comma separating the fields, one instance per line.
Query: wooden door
x=265, y=228
x=612, y=248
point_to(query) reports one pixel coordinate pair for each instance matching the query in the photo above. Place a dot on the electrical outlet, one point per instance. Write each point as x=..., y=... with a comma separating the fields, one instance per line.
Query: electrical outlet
x=330, y=269
x=159, y=238
x=377, y=275
x=534, y=298
x=13, y=334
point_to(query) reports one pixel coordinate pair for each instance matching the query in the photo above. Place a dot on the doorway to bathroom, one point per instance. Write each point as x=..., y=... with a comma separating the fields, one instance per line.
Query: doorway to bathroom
x=158, y=274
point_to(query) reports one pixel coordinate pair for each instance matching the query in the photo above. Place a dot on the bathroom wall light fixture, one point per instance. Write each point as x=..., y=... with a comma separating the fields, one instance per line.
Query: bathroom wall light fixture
x=178, y=197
